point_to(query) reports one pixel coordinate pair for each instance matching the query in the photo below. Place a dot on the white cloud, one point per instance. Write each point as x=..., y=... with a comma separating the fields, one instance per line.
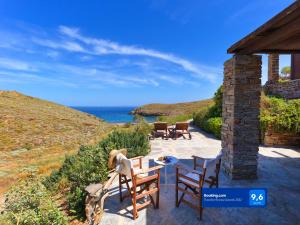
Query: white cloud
x=106, y=76
x=21, y=77
x=67, y=45
x=73, y=47
x=13, y=64
x=139, y=80
x=52, y=54
x=89, y=69
x=171, y=79
x=86, y=58
x=101, y=47
x=72, y=32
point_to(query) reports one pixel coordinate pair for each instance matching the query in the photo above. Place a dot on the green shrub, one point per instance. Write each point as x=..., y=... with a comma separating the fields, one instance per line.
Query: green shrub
x=276, y=113
x=89, y=165
x=280, y=115
x=218, y=99
x=209, y=124
x=213, y=125
x=209, y=118
x=136, y=142
x=280, y=80
x=200, y=117
x=143, y=127
x=30, y=203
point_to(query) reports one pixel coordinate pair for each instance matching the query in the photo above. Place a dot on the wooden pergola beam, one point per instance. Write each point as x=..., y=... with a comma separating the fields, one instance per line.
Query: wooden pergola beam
x=281, y=35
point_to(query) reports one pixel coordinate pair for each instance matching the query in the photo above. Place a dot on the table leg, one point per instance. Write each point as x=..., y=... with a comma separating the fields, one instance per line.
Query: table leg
x=166, y=179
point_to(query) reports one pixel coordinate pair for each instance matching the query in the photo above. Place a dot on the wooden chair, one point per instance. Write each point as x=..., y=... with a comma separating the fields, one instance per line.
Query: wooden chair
x=160, y=130
x=212, y=169
x=190, y=182
x=142, y=185
x=180, y=129
x=193, y=180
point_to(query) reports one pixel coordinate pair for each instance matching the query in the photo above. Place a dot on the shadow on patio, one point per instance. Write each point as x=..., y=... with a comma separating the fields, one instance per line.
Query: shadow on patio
x=278, y=171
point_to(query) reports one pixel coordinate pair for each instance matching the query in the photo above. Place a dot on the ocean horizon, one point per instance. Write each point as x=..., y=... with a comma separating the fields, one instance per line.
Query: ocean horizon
x=112, y=114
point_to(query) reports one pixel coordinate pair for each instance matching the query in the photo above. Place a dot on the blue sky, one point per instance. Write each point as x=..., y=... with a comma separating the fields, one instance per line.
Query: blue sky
x=123, y=52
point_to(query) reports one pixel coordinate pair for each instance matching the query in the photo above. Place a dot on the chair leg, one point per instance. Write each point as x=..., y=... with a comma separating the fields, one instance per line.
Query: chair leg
x=150, y=196
x=120, y=188
x=176, y=189
x=182, y=196
x=176, y=196
x=134, y=212
x=200, y=204
x=201, y=211
x=157, y=200
x=158, y=190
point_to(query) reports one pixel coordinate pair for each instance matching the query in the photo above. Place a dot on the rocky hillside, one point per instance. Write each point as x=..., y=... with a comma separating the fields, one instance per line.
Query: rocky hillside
x=36, y=134
x=171, y=109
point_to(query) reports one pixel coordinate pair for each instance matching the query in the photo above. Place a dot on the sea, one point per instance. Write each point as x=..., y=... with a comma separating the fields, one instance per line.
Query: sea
x=115, y=114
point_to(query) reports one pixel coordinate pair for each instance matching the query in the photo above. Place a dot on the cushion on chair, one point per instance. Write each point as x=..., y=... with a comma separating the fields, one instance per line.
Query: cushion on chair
x=219, y=156
x=124, y=165
x=191, y=175
x=210, y=165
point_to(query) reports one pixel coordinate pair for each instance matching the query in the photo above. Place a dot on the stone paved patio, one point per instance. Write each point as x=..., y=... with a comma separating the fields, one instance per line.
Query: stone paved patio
x=279, y=172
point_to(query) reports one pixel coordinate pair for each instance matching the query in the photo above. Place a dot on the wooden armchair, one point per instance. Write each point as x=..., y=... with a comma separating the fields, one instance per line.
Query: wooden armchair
x=212, y=169
x=180, y=129
x=191, y=181
x=160, y=130
x=141, y=184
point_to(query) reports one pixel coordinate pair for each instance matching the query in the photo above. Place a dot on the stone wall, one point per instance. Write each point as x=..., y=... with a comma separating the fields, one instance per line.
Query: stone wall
x=273, y=67
x=288, y=89
x=272, y=138
x=240, y=128
x=295, y=66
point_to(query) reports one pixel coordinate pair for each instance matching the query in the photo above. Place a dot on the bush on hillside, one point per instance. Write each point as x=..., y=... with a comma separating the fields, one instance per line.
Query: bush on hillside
x=136, y=142
x=218, y=99
x=89, y=165
x=200, y=117
x=275, y=112
x=173, y=119
x=30, y=203
x=210, y=125
x=214, y=125
x=209, y=118
x=280, y=115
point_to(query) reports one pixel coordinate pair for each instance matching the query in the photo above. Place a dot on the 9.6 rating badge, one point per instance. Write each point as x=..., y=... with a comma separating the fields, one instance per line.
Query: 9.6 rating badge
x=257, y=197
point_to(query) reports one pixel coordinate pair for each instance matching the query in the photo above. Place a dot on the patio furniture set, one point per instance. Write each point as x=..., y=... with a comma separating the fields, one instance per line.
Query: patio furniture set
x=163, y=130
x=145, y=182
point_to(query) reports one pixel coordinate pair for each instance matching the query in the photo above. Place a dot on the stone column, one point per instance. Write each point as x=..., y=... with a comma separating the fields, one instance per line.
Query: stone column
x=240, y=129
x=273, y=67
x=295, y=66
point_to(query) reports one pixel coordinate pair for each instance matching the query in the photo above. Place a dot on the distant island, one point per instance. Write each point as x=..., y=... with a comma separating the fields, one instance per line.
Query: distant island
x=171, y=109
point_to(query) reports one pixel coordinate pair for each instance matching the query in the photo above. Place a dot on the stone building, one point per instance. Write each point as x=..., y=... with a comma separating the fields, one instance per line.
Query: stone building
x=289, y=89
x=242, y=88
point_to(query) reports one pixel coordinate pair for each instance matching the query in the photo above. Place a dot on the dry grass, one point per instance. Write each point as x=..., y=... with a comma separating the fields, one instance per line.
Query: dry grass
x=172, y=109
x=37, y=134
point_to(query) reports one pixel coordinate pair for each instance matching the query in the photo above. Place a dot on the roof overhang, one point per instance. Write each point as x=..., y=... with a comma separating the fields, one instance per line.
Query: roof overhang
x=281, y=35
